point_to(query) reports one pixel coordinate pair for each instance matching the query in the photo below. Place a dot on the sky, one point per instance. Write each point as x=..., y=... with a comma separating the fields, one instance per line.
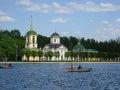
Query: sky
x=97, y=19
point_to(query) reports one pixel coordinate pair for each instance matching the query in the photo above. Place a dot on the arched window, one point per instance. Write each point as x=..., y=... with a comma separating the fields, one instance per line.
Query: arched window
x=33, y=39
x=54, y=40
x=27, y=39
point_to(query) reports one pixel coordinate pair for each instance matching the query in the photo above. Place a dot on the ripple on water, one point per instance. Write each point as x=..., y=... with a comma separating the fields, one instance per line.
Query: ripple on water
x=55, y=77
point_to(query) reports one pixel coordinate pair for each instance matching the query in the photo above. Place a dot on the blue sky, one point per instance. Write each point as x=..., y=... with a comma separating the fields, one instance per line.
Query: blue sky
x=98, y=19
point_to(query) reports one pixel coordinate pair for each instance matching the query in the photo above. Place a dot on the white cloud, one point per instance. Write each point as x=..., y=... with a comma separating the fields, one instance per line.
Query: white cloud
x=92, y=7
x=2, y=13
x=59, y=20
x=105, y=22
x=25, y=2
x=44, y=8
x=68, y=8
x=61, y=9
x=78, y=32
x=64, y=33
x=107, y=31
x=109, y=7
x=56, y=5
x=118, y=20
x=4, y=17
x=36, y=7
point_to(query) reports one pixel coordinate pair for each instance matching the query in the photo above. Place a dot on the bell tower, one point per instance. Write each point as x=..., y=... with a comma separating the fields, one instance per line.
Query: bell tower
x=31, y=37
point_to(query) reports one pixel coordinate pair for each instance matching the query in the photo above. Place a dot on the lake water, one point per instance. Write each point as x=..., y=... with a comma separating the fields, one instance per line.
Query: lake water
x=54, y=77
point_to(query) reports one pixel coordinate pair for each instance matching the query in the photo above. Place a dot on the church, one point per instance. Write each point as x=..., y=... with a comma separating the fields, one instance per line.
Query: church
x=30, y=52
x=56, y=47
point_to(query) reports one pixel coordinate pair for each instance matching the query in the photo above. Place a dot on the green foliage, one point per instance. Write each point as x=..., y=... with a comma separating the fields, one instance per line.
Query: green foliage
x=28, y=52
x=40, y=53
x=10, y=41
x=57, y=54
x=67, y=54
x=15, y=33
x=42, y=41
x=34, y=53
x=2, y=53
x=49, y=54
x=74, y=41
x=22, y=52
x=8, y=46
x=65, y=41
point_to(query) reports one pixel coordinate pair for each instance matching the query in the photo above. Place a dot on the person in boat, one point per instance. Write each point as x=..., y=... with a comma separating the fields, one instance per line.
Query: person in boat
x=79, y=67
x=5, y=65
x=9, y=65
x=72, y=67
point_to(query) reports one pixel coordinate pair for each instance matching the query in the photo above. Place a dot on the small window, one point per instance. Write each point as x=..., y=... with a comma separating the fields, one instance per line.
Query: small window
x=33, y=39
x=28, y=39
x=54, y=40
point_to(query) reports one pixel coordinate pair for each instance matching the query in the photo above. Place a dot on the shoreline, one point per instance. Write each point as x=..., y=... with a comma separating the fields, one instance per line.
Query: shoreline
x=60, y=62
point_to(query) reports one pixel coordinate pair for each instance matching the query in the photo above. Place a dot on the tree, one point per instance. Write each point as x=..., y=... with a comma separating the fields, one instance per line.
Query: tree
x=8, y=45
x=22, y=52
x=34, y=53
x=28, y=52
x=49, y=54
x=73, y=41
x=67, y=54
x=42, y=41
x=40, y=53
x=2, y=54
x=5, y=33
x=15, y=33
x=57, y=54
x=66, y=42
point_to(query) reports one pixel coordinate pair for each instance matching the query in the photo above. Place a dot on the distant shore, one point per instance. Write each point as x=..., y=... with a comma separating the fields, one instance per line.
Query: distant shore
x=54, y=62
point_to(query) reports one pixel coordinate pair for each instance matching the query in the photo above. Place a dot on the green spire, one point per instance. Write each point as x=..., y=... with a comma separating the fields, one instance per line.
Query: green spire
x=31, y=28
x=31, y=31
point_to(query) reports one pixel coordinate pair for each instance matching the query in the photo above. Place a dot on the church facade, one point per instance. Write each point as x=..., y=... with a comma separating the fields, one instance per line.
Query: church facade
x=56, y=47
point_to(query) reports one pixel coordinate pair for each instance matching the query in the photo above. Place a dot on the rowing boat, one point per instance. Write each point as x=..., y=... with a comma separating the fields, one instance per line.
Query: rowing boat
x=2, y=67
x=79, y=70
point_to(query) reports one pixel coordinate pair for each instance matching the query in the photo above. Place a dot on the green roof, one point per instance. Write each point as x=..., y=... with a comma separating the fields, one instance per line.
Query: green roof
x=79, y=47
x=92, y=51
x=31, y=33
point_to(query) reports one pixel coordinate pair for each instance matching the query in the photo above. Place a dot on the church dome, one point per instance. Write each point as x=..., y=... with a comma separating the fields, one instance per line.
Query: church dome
x=55, y=35
x=79, y=48
x=31, y=33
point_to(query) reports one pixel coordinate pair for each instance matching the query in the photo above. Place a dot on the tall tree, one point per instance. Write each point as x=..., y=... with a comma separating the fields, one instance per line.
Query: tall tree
x=42, y=41
x=8, y=44
x=15, y=33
